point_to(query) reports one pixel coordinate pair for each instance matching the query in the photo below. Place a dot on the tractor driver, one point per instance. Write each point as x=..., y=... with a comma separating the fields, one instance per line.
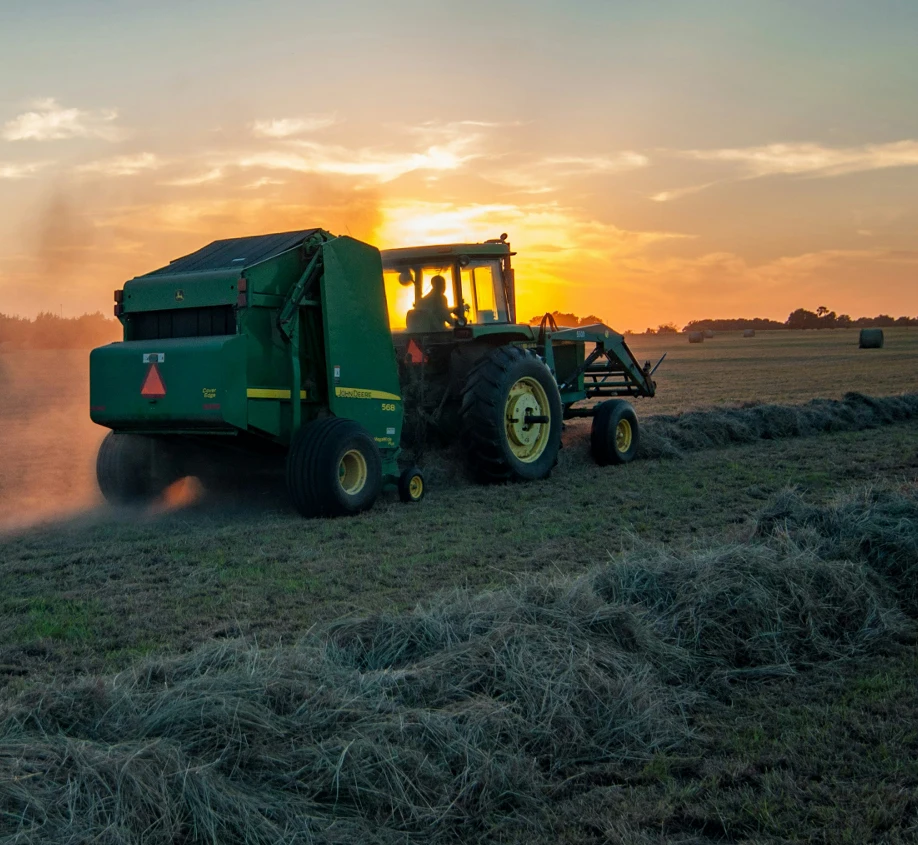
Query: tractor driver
x=435, y=306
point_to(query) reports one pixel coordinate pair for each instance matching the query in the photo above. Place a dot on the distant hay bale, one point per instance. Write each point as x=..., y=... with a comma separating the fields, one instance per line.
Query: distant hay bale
x=696, y=337
x=709, y=333
x=748, y=332
x=871, y=339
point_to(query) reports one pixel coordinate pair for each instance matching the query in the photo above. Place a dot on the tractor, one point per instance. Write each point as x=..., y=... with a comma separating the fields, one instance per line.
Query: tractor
x=342, y=362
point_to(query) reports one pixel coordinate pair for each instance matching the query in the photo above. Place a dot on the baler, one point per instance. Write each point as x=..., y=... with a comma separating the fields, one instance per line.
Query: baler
x=341, y=360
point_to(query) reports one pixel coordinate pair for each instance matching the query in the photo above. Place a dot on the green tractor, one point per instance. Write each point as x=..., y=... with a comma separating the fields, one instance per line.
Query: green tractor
x=339, y=360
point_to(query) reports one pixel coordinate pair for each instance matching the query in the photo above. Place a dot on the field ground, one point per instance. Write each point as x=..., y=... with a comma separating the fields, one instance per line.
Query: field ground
x=775, y=366
x=92, y=592
x=832, y=749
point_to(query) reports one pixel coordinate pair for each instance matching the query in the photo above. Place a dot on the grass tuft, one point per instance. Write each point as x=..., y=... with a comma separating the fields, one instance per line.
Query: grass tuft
x=876, y=526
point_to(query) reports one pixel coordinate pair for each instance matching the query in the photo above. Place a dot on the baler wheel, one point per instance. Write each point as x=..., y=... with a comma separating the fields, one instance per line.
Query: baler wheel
x=333, y=468
x=614, y=437
x=411, y=487
x=131, y=468
x=511, y=417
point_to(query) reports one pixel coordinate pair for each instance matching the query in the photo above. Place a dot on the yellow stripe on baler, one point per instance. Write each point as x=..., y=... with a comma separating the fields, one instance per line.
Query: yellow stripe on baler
x=269, y=393
x=340, y=392
x=360, y=393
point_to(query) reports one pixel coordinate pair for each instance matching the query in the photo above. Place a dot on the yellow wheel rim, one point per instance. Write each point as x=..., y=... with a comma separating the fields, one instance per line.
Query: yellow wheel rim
x=352, y=472
x=527, y=440
x=416, y=487
x=623, y=436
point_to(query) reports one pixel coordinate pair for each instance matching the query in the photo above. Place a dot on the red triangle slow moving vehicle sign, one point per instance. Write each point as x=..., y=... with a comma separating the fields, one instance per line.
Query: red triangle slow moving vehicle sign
x=153, y=385
x=415, y=353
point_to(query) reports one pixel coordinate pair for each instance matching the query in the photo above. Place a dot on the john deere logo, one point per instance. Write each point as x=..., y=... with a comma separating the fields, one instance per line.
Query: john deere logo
x=179, y=295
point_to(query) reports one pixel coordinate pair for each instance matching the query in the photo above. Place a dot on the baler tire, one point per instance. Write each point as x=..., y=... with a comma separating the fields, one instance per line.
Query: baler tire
x=614, y=436
x=131, y=468
x=411, y=485
x=485, y=437
x=322, y=456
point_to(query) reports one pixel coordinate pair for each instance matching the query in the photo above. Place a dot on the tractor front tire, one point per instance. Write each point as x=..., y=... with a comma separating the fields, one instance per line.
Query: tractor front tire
x=333, y=468
x=614, y=437
x=510, y=417
x=132, y=469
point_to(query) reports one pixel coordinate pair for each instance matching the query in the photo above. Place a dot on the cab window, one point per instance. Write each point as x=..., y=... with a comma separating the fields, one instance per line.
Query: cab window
x=483, y=290
x=406, y=286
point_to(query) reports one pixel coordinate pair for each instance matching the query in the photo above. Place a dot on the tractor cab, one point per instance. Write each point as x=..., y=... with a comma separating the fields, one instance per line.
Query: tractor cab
x=432, y=289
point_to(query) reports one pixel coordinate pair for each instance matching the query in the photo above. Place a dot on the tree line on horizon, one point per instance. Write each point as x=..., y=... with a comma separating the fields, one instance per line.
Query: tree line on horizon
x=801, y=318
x=52, y=331
x=571, y=321
x=821, y=318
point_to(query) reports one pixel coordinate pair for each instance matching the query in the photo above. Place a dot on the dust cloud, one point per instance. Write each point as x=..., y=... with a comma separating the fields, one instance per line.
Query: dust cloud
x=63, y=237
x=47, y=442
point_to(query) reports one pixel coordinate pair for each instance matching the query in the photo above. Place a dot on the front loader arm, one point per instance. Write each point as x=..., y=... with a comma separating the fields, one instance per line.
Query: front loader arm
x=611, y=369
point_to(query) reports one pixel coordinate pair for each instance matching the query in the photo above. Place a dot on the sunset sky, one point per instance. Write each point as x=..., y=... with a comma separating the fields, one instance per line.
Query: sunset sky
x=652, y=162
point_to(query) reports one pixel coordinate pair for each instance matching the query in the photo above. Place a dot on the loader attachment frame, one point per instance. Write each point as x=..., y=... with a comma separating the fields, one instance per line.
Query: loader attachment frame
x=610, y=370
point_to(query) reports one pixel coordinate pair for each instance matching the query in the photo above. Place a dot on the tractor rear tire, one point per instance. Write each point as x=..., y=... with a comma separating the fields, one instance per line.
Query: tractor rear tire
x=333, y=468
x=502, y=390
x=132, y=469
x=614, y=437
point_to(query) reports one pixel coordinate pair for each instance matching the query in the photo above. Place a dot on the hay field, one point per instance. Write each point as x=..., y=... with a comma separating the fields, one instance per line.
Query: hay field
x=672, y=651
x=776, y=366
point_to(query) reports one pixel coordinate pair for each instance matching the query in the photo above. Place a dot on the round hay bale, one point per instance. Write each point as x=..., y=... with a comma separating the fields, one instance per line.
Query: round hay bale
x=748, y=332
x=709, y=333
x=871, y=339
x=696, y=337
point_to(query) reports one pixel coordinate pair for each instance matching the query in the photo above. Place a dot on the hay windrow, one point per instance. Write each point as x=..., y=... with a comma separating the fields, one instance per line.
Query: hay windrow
x=671, y=435
x=456, y=721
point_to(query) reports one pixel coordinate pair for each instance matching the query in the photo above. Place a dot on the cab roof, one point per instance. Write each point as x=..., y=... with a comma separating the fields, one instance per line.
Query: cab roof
x=424, y=253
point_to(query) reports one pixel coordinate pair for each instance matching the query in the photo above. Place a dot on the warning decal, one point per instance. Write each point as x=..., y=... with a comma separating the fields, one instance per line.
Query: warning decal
x=153, y=385
x=415, y=354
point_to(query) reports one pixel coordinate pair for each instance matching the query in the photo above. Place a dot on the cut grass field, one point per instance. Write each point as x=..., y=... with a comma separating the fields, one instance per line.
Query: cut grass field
x=803, y=750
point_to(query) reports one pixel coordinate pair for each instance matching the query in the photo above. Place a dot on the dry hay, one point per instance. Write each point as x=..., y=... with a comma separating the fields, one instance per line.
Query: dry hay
x=696, y=337
x=451, y=723
x=671, y=435
x=876, y=526
x=748, y=332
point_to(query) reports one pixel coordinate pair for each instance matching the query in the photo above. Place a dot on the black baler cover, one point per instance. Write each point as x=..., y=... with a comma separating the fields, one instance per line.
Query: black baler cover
x=235, y=253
